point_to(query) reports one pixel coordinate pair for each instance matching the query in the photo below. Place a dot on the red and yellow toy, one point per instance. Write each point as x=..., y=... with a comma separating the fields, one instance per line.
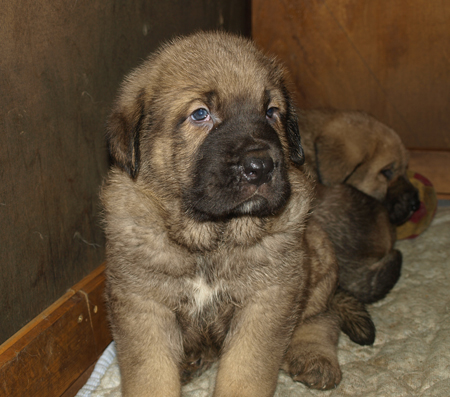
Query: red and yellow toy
x=422, y=218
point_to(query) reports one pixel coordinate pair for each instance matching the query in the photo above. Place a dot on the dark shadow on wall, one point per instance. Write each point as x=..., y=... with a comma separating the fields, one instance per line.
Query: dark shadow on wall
x=60, y=68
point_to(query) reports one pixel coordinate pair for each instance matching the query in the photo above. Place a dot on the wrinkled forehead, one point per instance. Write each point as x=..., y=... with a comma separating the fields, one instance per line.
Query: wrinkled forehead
x=391, y=141
x=390, y=151
x=229, y=70
x=380, y=137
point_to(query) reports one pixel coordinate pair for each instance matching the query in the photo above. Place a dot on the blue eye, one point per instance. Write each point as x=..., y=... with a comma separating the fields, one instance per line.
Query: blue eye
x=200, y=114
x=271, y=111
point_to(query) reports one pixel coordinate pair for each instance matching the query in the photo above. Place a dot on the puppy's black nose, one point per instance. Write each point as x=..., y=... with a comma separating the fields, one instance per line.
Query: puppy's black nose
x=258, y=169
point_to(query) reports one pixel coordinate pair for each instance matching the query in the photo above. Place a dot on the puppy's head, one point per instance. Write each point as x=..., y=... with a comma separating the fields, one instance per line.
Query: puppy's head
x=207, y=121
x=357, y=149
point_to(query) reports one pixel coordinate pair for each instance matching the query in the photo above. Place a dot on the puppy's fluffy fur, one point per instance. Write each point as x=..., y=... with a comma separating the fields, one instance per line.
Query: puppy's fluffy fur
x=363, y=239
x=209, y=251
x=354, y=148
x=359, y=165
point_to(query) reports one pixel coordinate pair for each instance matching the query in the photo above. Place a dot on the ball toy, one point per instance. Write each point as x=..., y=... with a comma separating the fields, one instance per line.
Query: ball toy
x=422, y=218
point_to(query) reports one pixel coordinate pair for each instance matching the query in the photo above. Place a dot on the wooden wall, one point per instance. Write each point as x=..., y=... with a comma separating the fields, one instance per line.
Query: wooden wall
x=389, y=58
x=60, y=67
x=61, y=64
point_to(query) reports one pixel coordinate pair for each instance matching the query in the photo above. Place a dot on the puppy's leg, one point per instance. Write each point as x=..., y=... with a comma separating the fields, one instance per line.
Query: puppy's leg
x=253, y=350
x=355, y=321
x=149, y=350
x=312, y=355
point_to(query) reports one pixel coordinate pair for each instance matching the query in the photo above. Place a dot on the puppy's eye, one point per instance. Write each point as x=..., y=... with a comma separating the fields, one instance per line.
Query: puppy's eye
x=200, y=115
x=271, y=112
x=388, y=173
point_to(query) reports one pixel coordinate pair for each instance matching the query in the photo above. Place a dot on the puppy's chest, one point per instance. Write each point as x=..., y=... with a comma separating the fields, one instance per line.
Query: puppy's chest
x=204, y=296
x=211, y=289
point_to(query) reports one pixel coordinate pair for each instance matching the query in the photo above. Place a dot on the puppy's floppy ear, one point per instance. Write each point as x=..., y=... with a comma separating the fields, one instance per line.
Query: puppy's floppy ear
x=123, y=133
x=336, y=159
x=293, y=134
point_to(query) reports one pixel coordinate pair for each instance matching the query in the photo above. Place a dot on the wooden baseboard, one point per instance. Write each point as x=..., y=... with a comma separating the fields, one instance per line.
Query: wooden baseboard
x=434, y=165
x=79, y=383
x=49, y=355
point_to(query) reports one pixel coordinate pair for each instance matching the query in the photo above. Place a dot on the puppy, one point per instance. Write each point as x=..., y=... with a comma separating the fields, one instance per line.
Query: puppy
x=354, y=148
x=363, y=239
x=210, y=254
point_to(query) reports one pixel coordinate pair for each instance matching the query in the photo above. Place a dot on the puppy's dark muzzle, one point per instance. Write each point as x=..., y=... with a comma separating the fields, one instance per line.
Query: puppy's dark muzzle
x=240, y=170
x=257, y=168
x=414, y=201
x=402, y=200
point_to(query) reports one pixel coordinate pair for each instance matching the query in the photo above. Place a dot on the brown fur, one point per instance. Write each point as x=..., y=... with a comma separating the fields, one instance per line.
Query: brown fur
x=359, y=165
x=207, y=259
x=354, y=148
x=363, y=239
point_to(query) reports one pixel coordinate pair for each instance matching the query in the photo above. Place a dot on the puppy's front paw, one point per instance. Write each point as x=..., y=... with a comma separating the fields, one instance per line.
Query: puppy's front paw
x=316, y=371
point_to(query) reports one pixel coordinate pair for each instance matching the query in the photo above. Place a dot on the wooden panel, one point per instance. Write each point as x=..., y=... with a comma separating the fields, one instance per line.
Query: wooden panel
x=55, y=351
x=61, y=64
x=435, y=165
x=386, y=57
x=79, y=383
x=49, y=355
x=93, y=288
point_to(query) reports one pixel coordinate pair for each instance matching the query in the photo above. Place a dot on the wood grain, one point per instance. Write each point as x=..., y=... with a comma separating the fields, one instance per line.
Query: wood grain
x=385, y=57
x=79, y=383
x=48, y=355
x=61, y=65
x=434, y=165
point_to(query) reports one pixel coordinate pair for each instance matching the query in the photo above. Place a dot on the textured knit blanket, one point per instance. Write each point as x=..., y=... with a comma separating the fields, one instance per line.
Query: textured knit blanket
x=411, y=354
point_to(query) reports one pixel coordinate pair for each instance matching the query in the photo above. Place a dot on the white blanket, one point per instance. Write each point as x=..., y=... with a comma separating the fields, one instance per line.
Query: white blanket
x=411, y=354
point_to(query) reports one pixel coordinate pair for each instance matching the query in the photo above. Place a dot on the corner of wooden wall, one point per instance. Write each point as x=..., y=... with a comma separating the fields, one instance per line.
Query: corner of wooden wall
x=435, y=166
x=60, y=346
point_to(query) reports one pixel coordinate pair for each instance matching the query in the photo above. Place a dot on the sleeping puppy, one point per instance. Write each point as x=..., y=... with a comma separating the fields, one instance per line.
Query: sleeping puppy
x=362, y=191
x=210, y=254
x=354, y=148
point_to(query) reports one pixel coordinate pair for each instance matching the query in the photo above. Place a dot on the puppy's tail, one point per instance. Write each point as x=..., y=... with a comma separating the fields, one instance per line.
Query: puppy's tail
x=354, y=319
